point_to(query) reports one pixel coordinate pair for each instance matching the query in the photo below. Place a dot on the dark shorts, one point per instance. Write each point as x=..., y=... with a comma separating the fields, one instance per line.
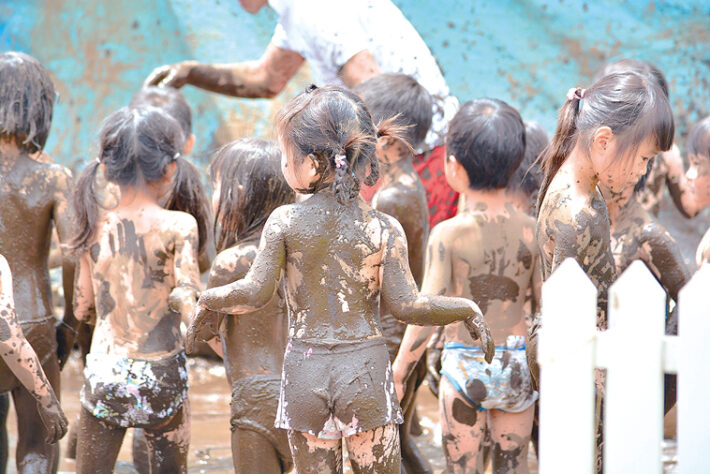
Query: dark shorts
x=333, y=391
x=255, y=400
x=393, y=332
x=42, y=336
x=134, y=393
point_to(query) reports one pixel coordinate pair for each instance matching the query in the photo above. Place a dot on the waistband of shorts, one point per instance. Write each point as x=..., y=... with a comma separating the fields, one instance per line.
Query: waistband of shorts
x=179, y=356
x=512, y=343
x=328, y=347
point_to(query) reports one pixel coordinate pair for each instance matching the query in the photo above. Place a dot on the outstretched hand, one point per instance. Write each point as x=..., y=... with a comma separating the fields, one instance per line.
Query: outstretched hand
x=478, y=329
x=53, y=419
x=169, y=75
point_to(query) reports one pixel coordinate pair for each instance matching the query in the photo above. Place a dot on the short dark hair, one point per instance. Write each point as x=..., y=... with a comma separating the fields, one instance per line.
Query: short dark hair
x=487, y=137
x=400, y=96
x=26, y=101
x=170, y=100
x=528, y=177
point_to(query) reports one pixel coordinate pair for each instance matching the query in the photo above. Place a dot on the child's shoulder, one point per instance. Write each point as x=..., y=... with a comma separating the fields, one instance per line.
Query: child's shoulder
x=52, y=172
x=233, y=263
x=179, y=222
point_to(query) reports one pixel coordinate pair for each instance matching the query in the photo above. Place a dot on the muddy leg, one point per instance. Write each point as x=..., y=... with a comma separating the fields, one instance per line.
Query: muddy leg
x=463, y=430
x=97, y=446
x=510, y=433
x=33, y=454
x=4, y=447
x=168, y=445
x=375, y=451
x=311, y=454
x=252, y=452
x=72, y=438
x=141, y=458
x=413, y=462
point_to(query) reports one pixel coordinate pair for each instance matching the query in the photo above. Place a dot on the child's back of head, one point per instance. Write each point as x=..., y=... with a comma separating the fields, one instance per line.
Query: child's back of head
x=487, y=137
x=26, y=101
x=170, y=100
x=528, y=176
x=637, y=66
x=247, y=174
x=401, y=97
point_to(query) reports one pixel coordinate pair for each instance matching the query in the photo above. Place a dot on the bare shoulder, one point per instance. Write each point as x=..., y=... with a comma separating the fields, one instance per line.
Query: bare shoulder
x=563, y=213
x=232, y=264
x=180, y=223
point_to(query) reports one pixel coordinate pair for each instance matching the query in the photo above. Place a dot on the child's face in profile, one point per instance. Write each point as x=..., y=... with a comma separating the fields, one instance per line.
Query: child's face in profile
x=698, y=176
x=621, y=172
x=299, y=172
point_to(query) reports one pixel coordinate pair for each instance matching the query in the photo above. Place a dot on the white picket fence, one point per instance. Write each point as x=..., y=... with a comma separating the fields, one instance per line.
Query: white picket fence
x=636, y=353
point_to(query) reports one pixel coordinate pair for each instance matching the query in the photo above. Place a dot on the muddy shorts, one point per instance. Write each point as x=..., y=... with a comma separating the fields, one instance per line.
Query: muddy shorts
x=333, y=391
x=504, y=384
x=255, y=400
x=134, y=393
x=42, y=336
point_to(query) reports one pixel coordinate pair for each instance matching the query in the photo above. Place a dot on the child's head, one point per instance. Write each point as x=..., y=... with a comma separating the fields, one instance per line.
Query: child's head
x=486, y=139
x=248, y=185
x=698, y=146
x=138, y=147
x=26, y=101
x=620, y=123
x=643, y=68
x=328, y=140
x=402, y=97
x=527, y=178
x=171, y=101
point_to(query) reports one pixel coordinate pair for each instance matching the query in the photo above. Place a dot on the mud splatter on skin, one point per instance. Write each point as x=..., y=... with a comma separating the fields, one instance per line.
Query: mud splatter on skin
x=35, y=196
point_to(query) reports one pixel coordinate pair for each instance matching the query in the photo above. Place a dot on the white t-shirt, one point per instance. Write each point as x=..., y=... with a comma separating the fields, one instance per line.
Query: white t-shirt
x=327, y=33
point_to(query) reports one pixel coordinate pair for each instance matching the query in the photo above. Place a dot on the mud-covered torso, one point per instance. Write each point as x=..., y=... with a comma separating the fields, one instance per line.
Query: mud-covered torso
x=493, y=259
x=574, y=226
x=253, y=343
x=30, y=193
x=133, y=264
x=334, y=256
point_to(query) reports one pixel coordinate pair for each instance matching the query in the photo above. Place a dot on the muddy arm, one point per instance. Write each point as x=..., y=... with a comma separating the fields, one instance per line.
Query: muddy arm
x=84, y=303
x=264, y=78
x=678, y=185
x=183, y=297
x=663, y=257
x=23, y=362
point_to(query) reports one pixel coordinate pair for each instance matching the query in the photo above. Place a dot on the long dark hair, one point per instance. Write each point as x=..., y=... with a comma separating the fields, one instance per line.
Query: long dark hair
x=631, y=105
x=26, y=101
x=136, y=146
x=251, y=187
x=328, y=122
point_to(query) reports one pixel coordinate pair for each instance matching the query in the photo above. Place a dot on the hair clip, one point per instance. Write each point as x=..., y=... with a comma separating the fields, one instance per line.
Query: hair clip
x=176, y=156
x=576, y=93
x=340, y=160
x=98, y=160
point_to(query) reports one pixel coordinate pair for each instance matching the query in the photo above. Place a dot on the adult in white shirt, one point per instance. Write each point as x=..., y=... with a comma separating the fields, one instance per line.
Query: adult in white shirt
x=345, y=42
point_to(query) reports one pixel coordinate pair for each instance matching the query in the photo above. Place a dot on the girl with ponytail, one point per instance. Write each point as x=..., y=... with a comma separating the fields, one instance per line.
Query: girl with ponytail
x=137, y=278
x=341, y=260
x=605, y=136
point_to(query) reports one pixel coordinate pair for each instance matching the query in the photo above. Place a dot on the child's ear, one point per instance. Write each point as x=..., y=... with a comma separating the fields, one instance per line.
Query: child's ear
x=603, y=136
x=189, y=145
x=312, y=164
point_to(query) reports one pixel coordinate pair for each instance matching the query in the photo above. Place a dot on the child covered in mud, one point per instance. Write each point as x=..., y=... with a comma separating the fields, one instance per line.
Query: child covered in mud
x=486, y=253
x=248, y=185
x=695, y=181
x=401, y=195
x=35, y=196
x=22, y=360
x=137, y=276
x=605, y=135
x=340, y=260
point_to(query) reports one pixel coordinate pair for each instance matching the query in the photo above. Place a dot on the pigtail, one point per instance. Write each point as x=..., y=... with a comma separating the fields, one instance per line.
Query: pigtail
x=388, y=128
x=346, y=185
x=86, y=210
x=188, y=195
x=562, y=143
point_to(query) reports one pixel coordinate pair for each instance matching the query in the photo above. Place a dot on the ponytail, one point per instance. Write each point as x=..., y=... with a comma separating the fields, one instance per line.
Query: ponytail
x=85, y=208
x=562, y=143
x=188, y=195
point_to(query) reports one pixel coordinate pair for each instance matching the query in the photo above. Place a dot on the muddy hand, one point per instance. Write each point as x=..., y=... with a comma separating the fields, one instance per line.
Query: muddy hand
x=170, y=75
x=54, y=420
x=478, y=329
x=199, y=320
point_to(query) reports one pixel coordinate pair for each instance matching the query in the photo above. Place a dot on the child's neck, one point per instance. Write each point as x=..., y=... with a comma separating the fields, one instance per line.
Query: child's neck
x=579, y=171
x=616, y=203
x=9, y=152
x=490, y=200
x=395, y=160
x=136, y=197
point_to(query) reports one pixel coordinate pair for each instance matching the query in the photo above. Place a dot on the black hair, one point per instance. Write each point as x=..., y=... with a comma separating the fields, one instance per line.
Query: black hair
x=136, y=146
x=698, y=141
x=528, y=176
x=630, y=104
x=169, y=99
x=251, y=187
x=333, y=126
x=401, y=97
x=487, y=137
x=26, y=101
x=644, y=68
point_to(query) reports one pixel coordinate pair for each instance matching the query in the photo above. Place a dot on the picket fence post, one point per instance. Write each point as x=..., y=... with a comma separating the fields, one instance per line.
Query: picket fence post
x=631, y=350
x=694, y=374
x=566, y=357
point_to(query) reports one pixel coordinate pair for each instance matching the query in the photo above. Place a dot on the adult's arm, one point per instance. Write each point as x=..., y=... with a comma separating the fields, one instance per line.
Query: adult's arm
x=358, y=68
x=263, y=78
